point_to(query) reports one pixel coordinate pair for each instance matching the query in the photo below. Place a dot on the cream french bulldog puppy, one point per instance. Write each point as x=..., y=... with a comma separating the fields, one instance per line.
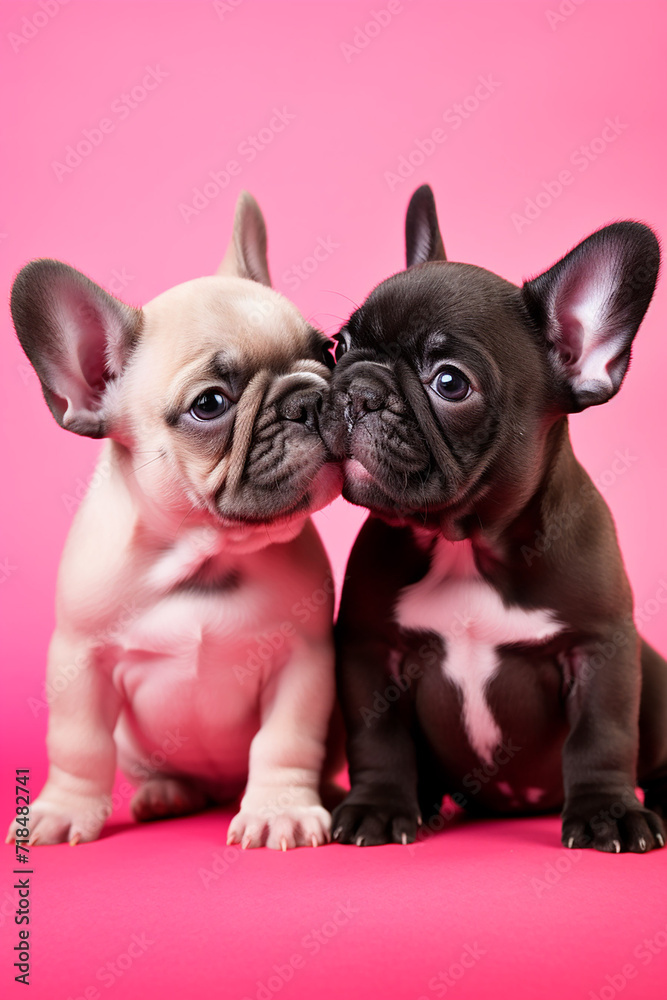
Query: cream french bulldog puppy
x=193, y=641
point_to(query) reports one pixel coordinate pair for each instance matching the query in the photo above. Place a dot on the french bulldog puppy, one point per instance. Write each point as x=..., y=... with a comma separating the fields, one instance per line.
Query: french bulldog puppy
x=193, y=645
x=486, y=645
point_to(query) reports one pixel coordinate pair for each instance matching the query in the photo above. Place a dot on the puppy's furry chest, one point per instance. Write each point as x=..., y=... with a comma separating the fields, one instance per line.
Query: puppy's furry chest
x=196, y=662
x=201, y=605
x=204, y=638
x=198, y=650
x=455, y=602
x=192, y=626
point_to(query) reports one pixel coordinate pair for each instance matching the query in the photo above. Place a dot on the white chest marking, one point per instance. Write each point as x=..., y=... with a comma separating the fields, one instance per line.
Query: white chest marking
x=454, y=601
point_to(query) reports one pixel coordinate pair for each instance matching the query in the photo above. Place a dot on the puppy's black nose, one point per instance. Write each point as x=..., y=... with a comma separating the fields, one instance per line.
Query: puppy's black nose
x=302, y=407
x=365, y=398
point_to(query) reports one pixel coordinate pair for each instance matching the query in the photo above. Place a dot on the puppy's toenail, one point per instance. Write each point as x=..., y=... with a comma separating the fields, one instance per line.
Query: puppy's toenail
x=617, y=846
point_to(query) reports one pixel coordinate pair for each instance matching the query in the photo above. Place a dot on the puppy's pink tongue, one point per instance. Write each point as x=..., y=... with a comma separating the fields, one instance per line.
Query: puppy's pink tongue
x=355, y=470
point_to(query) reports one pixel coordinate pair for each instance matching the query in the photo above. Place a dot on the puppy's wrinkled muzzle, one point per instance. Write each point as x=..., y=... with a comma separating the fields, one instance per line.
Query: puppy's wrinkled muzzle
x=358, y=389
x=303, y=406
x=379, y=423
x=363, y=398
x=276, y=473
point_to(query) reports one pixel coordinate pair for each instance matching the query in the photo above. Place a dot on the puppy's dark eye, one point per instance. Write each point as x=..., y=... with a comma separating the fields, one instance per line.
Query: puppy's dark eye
x=451, y=384
x=209, y=405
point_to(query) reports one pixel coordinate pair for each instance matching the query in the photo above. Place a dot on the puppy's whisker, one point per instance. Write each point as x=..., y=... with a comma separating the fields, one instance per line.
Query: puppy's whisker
x=314, y=316
x=194, y=507
x=331, y=291
x=309, y=479
x=149, y=462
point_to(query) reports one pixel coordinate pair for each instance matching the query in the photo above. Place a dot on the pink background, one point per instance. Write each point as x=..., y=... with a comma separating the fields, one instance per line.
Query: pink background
x=555, y=82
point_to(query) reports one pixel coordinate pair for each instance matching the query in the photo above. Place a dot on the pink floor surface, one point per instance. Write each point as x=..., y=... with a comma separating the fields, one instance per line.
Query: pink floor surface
x=481, y=909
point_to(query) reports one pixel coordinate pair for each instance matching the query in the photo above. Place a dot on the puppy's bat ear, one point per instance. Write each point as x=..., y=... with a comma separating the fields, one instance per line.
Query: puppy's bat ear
x=423, y=241
x=589, y=306
x=246, y=253
x=77, y=338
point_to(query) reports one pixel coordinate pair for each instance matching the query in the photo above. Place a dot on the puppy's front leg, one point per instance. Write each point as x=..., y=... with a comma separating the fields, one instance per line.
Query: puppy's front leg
x=76, y=799
x=281, y=806
x=382, y=806
x=600, y=754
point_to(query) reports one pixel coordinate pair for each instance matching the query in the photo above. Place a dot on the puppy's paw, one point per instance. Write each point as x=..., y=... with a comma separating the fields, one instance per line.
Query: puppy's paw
x=615, y=824
x=294, y=826
x=161, y=797
x=56, y=819
x=371, y=824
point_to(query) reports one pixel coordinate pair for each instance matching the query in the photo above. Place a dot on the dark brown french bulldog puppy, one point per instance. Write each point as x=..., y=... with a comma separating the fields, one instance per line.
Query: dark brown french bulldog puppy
x=486, y=644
